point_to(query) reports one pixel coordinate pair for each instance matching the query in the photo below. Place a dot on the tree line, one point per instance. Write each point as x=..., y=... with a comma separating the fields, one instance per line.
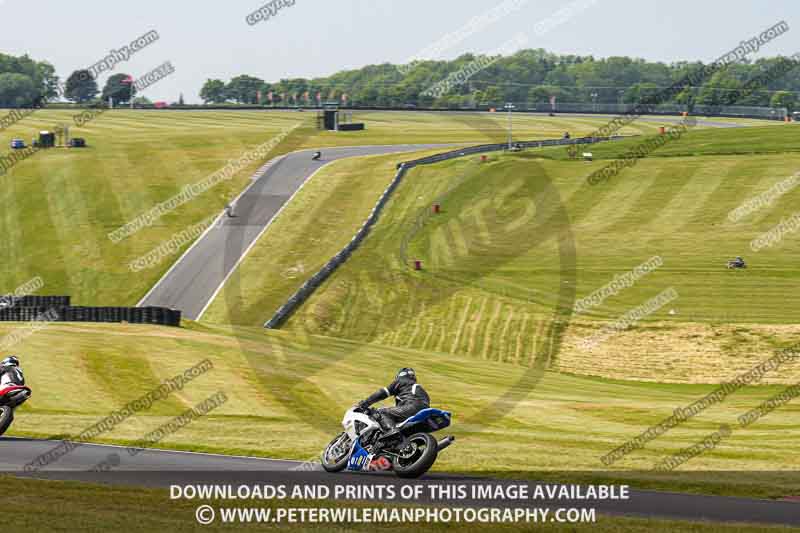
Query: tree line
x=119, y=89
x=528, y=76
x=25, y=82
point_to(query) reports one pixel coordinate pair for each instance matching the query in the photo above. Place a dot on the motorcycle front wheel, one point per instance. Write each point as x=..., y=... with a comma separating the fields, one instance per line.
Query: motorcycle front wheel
x=336, y=454
x=6, y=417
x=417, y=457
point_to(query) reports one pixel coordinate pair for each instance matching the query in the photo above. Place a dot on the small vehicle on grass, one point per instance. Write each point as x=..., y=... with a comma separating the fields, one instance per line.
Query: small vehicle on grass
x=736, y=263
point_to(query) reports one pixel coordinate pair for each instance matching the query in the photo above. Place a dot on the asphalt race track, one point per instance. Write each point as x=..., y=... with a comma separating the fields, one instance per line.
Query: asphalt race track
x=193, y=281
x=159, y=468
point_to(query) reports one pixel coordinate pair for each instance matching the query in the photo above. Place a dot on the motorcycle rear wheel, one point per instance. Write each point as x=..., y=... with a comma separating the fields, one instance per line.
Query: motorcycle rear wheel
x=6, y=417
x=336, y=464
x=422, y=451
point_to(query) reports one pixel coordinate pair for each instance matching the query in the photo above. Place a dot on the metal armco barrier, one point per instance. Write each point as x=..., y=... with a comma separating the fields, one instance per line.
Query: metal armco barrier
x=735, y=111
x=307, y=289
x=55, y=313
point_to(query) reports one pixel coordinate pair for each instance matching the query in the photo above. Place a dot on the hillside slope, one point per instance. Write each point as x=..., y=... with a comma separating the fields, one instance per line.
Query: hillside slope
x=60, y=205
x=509, y=251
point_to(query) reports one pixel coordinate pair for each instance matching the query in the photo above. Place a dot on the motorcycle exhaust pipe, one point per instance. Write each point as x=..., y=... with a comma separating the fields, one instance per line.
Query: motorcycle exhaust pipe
x=445, y=442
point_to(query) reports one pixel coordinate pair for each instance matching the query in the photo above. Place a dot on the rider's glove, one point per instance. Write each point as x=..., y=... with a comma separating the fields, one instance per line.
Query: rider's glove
x=362, y=404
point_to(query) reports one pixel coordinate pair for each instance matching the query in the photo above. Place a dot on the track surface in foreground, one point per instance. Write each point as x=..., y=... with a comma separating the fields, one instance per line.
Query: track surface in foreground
x=192, y=282
x=159, y=468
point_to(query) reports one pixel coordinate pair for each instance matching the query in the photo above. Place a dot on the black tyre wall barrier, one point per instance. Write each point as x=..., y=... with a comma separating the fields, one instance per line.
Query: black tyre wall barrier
x=54, y=313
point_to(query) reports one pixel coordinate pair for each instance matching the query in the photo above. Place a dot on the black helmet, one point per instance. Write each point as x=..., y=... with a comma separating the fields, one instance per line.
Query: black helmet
x=407, y=373
x=10, y=361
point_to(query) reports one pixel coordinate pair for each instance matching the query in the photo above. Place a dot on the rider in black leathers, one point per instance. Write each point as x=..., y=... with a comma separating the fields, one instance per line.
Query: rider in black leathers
x=10, y=373
x=410, y=398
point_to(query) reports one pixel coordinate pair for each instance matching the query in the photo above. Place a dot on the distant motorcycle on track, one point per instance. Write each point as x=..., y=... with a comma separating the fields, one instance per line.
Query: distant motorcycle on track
x=11, y=397
x=317, y=156
x=409, y=449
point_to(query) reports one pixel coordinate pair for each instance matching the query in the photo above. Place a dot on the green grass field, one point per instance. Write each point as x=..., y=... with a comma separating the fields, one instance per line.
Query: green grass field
x=490, y=292
x=59, y=205
x=287, y=396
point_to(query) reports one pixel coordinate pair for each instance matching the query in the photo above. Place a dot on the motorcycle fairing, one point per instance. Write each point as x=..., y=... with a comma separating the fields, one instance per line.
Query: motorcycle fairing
x=427, y=420
x=14, y=395
x=360, y=458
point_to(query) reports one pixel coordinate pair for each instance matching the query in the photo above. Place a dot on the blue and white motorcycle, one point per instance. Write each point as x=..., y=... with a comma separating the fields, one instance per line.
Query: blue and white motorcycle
x=409, y=449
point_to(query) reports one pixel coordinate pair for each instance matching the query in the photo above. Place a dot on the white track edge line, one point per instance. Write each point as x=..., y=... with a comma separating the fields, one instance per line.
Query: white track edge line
x=258, y=237
x=272, y=162
x=266, y=227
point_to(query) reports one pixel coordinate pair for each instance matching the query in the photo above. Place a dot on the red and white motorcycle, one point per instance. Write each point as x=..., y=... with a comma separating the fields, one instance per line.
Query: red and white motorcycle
x=11, y=397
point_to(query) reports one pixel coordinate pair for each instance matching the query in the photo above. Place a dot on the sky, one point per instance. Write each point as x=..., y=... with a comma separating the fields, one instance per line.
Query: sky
x=205, y=39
